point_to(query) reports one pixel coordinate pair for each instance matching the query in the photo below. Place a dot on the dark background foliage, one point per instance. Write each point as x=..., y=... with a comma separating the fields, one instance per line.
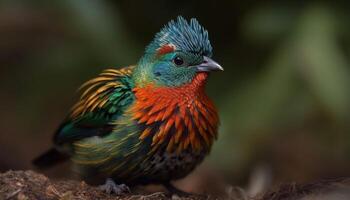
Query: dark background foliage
x=283, y=98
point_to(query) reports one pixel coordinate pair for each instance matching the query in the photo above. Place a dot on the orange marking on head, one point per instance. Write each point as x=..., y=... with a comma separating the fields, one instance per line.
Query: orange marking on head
x=165, y=49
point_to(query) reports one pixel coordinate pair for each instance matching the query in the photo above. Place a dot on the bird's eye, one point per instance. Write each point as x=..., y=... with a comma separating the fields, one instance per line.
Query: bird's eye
x=178, y=60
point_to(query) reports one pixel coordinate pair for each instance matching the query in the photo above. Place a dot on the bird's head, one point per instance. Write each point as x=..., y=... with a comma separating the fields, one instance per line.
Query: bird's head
x=179, y=52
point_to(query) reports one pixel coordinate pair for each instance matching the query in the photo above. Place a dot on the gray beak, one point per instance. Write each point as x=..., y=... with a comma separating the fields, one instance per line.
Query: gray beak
x=209, y=65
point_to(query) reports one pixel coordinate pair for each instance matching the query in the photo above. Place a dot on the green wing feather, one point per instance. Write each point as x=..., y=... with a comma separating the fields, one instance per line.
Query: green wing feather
x=104, y=99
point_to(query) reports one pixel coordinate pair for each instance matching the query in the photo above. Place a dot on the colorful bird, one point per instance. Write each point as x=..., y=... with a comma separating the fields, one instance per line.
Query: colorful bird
x=148, y=123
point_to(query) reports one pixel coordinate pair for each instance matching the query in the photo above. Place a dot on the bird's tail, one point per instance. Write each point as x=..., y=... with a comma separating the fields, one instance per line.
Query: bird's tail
x=49, y=159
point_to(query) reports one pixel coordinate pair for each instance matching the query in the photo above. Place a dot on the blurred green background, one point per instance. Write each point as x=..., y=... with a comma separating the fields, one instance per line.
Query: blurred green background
x=283, y=99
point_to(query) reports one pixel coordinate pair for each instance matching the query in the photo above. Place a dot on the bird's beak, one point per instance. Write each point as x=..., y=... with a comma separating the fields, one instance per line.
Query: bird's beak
x=209, y=65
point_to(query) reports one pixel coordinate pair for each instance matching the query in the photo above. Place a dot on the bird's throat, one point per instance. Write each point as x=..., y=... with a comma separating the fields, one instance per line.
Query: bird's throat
x=179, y=94
x=181, y=117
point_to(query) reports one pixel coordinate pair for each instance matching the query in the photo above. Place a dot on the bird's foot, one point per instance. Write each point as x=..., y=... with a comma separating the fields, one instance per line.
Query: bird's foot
x=174, y=191
x=111, y=187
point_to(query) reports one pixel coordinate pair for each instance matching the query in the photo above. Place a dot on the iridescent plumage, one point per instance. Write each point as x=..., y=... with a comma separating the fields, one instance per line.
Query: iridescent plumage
x=149, y=123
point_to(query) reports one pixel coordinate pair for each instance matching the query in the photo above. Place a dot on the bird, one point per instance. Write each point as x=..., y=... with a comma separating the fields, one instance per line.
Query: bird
x=149, y=123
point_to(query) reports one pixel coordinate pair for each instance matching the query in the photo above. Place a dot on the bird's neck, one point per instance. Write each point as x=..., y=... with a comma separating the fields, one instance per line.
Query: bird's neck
x=180, y=94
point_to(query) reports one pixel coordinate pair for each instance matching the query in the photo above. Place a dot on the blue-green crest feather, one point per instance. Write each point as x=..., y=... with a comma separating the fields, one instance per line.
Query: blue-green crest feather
x=186, y=36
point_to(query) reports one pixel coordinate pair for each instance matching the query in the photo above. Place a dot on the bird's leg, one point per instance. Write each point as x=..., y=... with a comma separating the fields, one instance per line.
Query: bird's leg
x=173, y=190
x=111, y=187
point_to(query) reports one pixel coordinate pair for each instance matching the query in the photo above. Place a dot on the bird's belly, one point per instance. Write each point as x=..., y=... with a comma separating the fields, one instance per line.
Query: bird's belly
x=165, y=166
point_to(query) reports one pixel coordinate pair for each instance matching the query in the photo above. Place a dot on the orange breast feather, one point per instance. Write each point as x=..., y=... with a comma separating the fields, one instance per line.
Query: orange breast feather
x=180, y=117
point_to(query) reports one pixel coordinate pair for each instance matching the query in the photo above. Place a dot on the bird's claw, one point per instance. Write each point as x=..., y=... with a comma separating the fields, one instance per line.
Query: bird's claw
x=111, y=187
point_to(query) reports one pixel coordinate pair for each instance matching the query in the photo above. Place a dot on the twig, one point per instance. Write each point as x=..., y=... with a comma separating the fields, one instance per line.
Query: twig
x=9, y=196
x=144, y=197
